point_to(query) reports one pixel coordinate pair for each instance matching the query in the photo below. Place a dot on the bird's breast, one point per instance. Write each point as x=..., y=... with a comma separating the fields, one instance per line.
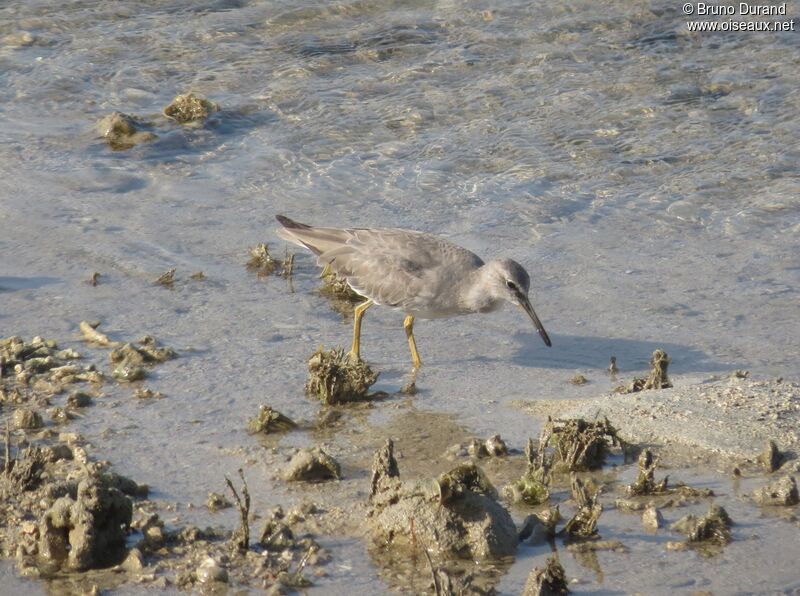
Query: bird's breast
x=452, y=310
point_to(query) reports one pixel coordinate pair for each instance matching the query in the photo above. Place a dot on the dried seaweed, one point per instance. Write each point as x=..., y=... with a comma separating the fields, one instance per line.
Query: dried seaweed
x=312, y=465
x=92, y=335
x=166, y=279
x=712, y=529
x=189, y=108
x=464, y=477
x=261, y=261
x=550, y=581
x=580, y=445
x=583, y=524
x=782, y=492
x=579, y=379
x=532, y=486
x=384, y=466
x=263, y=264
x=270, y=421
x=334, y=286
x=334, y=377
x=122, y=131
x=657, y=379
x=645, y=483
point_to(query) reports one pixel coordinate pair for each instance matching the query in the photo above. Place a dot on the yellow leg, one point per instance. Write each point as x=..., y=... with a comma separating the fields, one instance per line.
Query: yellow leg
x=408, y=324
x=358, y=313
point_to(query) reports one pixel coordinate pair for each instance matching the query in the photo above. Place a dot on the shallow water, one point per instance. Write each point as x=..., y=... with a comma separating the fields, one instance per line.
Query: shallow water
x=645, y=176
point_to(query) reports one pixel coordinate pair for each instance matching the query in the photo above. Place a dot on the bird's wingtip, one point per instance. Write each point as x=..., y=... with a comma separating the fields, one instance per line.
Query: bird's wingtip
x=290, y=223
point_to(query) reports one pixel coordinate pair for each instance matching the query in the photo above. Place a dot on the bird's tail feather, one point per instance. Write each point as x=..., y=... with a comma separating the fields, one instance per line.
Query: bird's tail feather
x=317, y=240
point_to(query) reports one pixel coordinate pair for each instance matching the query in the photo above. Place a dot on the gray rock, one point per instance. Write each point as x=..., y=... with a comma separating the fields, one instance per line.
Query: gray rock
x=781, y=492
x=312, y=465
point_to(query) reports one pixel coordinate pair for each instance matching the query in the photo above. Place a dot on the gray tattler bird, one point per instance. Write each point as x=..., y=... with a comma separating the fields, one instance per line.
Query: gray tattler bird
x=420, y=274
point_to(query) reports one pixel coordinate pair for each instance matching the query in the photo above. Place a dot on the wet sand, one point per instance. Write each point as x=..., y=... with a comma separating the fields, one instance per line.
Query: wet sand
x=643, y=174
x=708, y=434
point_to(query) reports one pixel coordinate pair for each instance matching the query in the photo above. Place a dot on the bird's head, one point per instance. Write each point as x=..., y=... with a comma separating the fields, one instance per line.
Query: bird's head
x=510, y=282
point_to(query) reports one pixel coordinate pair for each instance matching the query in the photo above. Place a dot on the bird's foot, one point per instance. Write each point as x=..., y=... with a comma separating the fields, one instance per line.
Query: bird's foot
x=410, y=388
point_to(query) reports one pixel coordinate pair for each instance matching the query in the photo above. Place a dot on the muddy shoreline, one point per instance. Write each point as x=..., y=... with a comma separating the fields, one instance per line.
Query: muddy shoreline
x=730, y=418
x=71, y=520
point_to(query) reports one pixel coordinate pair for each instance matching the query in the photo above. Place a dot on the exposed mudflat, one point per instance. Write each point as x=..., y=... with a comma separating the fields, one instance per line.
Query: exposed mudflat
x=431, y=508
x=645, y=175
x=732, y=417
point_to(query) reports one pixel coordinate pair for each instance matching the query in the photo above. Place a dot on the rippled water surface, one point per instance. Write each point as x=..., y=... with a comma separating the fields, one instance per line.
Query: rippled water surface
x=647, y=177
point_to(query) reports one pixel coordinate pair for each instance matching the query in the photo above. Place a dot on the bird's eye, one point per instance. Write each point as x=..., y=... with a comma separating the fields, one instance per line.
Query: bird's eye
x=511, y=285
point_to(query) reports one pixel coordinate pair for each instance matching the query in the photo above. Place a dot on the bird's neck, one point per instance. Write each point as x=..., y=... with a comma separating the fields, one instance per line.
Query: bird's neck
x=477, y=295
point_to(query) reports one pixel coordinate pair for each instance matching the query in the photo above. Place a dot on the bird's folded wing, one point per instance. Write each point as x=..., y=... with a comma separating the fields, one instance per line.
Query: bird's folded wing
x=391, y=268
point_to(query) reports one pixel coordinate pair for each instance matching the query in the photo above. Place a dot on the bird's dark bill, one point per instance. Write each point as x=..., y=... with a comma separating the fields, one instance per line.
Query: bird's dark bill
x=526, y=306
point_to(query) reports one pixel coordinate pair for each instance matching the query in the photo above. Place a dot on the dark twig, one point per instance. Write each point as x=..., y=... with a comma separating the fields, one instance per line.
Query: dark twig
x=435, y=577
x=242, y=535
x=8, y=464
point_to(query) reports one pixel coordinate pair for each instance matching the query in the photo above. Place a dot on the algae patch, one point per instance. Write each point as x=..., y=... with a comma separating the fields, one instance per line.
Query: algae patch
x=578, y=379
x=129, y=360
x=342, y=297
x=464, y=477
x=549, y=581
x=781, y=492
x=261, y=261
x=92, y=335
x=166, y=279
x=270, y=421
x=312, y=465
x=190, y=108
x=334, y=377
x=263, y=264
x=494, y=446
x=532, y=486
x=336, y=286
x=645, y=483
x=707, y=534
x=657, y=379
x=216, y=502
x=580, y=445
x=39, y=366
x=583, y=524
x=565, y=446
x=122, y=132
